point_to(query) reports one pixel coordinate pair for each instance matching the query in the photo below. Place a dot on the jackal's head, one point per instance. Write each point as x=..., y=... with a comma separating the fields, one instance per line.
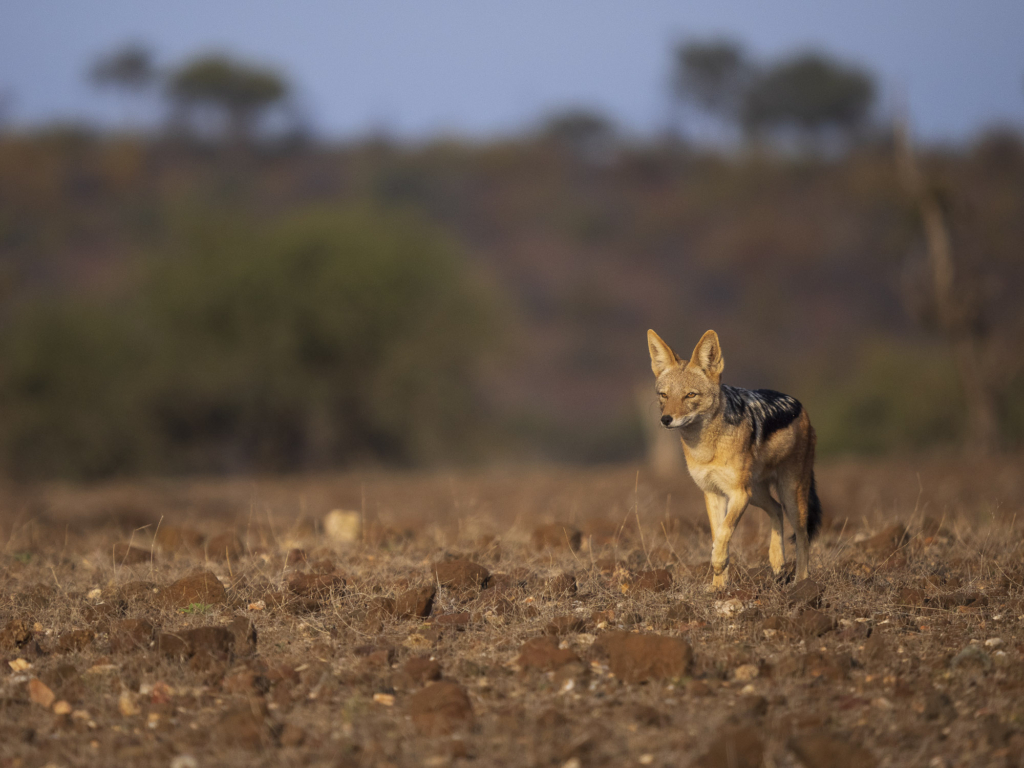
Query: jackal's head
x=688, y=390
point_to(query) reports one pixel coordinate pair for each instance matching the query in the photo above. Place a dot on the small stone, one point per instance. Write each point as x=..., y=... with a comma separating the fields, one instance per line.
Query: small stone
x=544, y=654
x=460, y=574
x=806, y=594
x=657, y=580
x=565, y=625
x=343, y=526
x=729, y=608
x=415, y=603
x=39, y=693
x=971, y=656
x=197, y=588
x=812, y=623
x=61, y=708
x=126, y=705
x=745, y=673
x=421, y=669
x=994, y=642
x=562, y=584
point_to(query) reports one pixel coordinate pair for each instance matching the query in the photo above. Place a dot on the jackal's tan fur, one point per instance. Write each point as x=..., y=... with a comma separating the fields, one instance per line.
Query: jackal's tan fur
x=741, y=447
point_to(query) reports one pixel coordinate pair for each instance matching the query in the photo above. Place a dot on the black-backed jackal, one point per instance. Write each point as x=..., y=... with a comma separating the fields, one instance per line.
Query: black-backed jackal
x=741, y=446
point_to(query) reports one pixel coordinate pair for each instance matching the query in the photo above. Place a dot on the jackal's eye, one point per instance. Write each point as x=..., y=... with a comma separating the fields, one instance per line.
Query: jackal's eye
x=662, y=395
x=690, y=394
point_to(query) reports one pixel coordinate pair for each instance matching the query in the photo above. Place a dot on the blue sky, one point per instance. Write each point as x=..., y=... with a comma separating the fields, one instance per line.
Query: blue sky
x=419, y=68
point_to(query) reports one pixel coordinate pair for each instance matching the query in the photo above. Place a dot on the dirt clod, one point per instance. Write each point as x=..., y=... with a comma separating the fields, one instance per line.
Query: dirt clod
x=197, y=588
x=126, y=554
x=440, y=709
x=657, y=580
x=544, y=654
x=460, y=574
x=637, y=658
x=415, y=603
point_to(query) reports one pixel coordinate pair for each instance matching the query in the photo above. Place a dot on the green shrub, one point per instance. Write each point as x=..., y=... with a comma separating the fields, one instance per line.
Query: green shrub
x=307, y=342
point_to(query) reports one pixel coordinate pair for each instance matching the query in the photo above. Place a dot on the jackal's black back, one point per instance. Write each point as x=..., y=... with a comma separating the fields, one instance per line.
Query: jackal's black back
x=767, y=411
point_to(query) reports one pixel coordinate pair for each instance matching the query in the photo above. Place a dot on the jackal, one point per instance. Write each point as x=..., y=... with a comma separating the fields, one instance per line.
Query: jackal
x=741, y=446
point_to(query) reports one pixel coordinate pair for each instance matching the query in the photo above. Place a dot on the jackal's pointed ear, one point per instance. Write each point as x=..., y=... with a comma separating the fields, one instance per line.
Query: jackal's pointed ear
x=662, y=356
x=707, y=355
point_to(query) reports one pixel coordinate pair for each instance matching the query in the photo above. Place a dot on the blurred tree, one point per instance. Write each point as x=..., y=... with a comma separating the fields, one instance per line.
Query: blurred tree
x=240, y=92
x=129, y=70
x=809, y=92
x=304, y=343
x=952, y=307
x=712, y=76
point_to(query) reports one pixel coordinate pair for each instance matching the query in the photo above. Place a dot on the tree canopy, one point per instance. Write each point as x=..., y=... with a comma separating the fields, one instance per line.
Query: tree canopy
x=241, y=91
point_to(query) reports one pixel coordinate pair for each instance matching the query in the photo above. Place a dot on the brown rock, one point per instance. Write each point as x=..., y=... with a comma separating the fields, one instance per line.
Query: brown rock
x=556, y=535
x=173, y=540
x=562, y=584
x=544, y=654
x=215, y=642
x=821, y=750
x=911, y=596
x=75, y=640
x=421, y=669
x=440, y=708
x=812, y=623
x=565, y=625
x=130, y=634
x=734, y=748
x=15, y=635
x=224, y=546
x=637, y=658
x=460, y=574
x=296, y=557
x=887, y=541
x=806, y=593
x=40, y=693
x=219, y=642
x=416, y=603
x=170, y=644
x=317, y=586
x=125, y=554
x=658, y=580
x=197, y=588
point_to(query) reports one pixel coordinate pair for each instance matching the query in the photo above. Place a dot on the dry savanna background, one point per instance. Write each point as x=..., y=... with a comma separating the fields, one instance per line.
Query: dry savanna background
x=346, y=453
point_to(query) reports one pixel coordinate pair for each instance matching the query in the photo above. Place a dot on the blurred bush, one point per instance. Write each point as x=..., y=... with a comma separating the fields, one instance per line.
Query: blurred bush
x=316, y=339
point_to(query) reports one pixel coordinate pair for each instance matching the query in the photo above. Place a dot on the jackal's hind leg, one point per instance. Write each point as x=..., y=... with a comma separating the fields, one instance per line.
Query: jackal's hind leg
x=777, y=546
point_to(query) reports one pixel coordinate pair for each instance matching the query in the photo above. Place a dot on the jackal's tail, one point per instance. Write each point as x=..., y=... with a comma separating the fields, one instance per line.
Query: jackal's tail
x=813, y=510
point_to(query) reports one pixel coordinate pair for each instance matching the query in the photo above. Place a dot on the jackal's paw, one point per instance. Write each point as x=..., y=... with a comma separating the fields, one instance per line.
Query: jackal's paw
x=719, y=582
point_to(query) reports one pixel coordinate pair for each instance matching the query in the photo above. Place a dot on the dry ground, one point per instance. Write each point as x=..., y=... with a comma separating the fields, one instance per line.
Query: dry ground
x=904, y=651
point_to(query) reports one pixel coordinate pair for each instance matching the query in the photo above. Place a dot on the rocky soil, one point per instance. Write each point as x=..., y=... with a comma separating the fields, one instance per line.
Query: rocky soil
x=546, y=617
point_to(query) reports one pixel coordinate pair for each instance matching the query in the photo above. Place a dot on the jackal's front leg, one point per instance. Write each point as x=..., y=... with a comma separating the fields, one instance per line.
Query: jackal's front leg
x=734, y=505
